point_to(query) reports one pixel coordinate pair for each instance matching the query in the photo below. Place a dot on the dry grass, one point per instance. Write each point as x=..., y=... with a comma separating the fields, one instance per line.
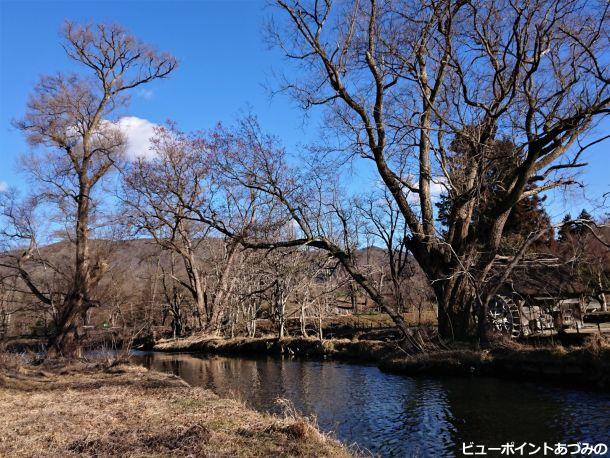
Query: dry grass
x=597, y=343
x=358, y=350
x=585, y=366
x=380, y=320
x=89, y=410
x=349, y=324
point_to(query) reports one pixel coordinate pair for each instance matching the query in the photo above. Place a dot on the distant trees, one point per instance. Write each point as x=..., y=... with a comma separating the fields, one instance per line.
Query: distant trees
x=383, y=222
x=165, y=197
x=528, y=217
x=69, y=116
x=293, y=207
x=584, y=244
x=574, y=227
x=156, y=195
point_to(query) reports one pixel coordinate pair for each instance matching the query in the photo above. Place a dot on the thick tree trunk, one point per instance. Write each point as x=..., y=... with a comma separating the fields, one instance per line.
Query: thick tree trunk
x=353, y=295
x=67, y=340
x=218, y=304
x=455, y=306
x=195, y=286
x=67, y=337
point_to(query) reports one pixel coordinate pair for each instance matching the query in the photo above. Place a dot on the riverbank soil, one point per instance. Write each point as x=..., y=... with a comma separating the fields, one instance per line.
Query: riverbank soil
x=77, y=409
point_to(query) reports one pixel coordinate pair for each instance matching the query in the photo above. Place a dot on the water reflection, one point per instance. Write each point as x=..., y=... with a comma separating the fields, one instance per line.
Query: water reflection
x=401, y=416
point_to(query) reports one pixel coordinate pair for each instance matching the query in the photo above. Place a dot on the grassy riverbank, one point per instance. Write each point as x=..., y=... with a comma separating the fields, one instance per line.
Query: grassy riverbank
x=586, y=365
x=359, y=350
x=91, y=410
x=582, y=366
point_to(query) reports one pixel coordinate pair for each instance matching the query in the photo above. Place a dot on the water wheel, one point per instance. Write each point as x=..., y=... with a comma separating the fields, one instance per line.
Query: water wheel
x=504, y=316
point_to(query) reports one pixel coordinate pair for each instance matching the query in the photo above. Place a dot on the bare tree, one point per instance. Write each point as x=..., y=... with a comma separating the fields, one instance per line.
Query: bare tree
x=293, y=207
x=386, y=226
x=160, y=195
x=8, y=304
x=428, y=91
x=585, y=246
x=249, y=290
x=70, y=117
x=153, y=191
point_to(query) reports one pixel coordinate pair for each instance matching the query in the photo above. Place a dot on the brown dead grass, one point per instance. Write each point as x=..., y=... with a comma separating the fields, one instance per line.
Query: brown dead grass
x=380, y=320
x=358, y=350
x=586, y=366
x=597, y=343
x=88, y=410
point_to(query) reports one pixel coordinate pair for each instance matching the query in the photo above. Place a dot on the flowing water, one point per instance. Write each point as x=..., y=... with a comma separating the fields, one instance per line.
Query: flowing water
x=392, y=415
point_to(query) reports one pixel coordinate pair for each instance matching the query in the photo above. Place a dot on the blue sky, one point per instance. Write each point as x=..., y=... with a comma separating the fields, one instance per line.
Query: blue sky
x=224, y=65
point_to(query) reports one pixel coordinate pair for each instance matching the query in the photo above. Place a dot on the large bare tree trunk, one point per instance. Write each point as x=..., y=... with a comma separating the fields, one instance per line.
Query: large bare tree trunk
x=68, y=334
x=219, y=302
x=455, y=300
x=196, y=286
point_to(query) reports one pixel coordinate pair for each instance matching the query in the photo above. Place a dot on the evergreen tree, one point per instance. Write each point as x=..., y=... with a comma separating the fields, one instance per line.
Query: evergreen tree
x=563, y=235
x=580, y=228
x=585, y=215
x=527, y=217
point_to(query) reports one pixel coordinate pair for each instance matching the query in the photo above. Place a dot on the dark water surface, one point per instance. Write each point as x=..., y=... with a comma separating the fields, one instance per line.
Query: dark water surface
x=392, y=415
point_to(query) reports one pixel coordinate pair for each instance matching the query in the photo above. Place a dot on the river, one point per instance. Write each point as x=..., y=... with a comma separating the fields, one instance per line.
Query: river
x=392, y=415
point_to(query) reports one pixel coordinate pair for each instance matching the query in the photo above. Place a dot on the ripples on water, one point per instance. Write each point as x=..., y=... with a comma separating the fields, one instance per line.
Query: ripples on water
x=392, y=415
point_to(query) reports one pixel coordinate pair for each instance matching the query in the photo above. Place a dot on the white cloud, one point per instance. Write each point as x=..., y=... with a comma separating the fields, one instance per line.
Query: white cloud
x=3, y=186
x=146, y=94
x=138, y=133
x=438, y=186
